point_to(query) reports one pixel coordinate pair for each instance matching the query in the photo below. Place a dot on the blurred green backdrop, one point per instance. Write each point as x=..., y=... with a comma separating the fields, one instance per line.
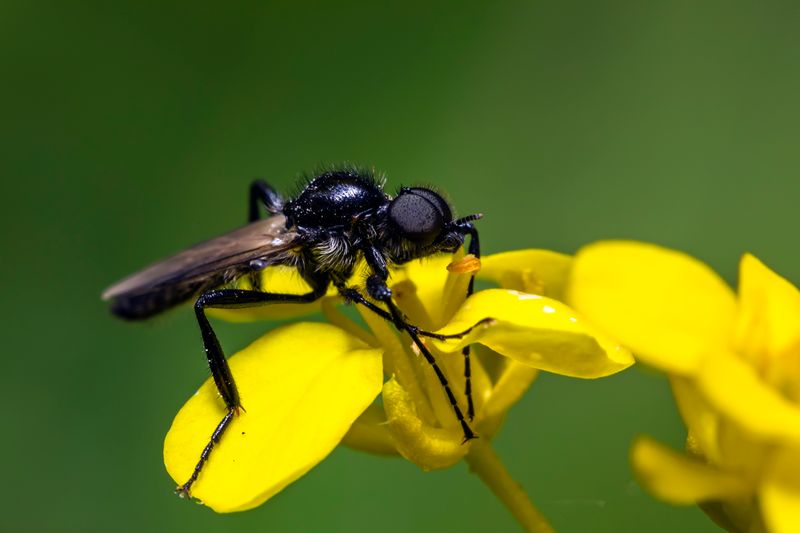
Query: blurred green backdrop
x=130, y=130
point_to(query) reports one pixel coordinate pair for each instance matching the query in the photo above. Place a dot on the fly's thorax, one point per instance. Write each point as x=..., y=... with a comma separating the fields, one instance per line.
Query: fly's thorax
x=333, y=253
x=335, y=199
x=329, y=252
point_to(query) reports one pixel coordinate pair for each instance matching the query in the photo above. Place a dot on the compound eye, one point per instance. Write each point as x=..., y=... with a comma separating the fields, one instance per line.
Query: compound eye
x=436, y=199
x=416, y=217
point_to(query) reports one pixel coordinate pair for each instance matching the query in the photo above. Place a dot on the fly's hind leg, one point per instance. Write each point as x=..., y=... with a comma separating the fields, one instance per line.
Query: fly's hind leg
x=220, y=371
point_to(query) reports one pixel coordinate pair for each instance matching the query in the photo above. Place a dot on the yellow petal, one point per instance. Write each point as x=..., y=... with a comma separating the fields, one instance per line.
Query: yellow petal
x=532, y=271
x=737, y=393
x=334, y=315
x=302, y=386
x=735, y=515
x=427, y=292
x=701, y=420
x=429, y=447
x=538, y=332
x=740, y=452
x=768, y=324
x=679, y=479
x=780, y=492
x=453, y=369
x=509, y=388
x=398, y=363
x=276, y=279
x=369, y=433
x=664, y=305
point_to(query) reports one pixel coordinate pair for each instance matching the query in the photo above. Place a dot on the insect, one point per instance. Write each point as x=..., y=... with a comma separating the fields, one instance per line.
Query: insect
x=341, y=216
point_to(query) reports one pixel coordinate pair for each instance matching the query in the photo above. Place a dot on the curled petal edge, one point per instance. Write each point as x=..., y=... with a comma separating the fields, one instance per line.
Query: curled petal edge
x=428, y=447
x=678, y=479
x=535, y=331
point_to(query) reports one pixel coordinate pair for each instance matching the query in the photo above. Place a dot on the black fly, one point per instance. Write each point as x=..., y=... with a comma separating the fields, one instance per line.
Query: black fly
x=340, y=217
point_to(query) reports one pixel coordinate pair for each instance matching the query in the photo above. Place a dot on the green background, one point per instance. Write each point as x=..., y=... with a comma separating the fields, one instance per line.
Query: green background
x=131, y=130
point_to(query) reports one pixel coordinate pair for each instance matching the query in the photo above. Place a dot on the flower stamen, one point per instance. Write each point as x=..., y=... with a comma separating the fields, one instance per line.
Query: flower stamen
x=468, y=264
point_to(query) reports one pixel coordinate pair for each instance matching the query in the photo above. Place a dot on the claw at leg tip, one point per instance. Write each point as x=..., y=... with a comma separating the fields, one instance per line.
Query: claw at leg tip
x=469, y=437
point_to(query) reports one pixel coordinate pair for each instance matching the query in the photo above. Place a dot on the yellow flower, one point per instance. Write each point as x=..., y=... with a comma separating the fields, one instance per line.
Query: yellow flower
x=733, y=361
x=307, y=387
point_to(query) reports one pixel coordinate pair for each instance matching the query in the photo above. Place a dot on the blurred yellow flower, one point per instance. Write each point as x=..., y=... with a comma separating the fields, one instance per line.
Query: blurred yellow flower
x=733, y=361
x=307, y=387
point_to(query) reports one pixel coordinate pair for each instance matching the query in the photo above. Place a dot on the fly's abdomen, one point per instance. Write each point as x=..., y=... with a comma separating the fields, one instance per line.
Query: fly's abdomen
x=157, y=300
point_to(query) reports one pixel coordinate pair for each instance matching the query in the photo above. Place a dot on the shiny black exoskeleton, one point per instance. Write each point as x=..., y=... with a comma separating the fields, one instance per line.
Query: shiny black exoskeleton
x=343, y=215
x=340, y=217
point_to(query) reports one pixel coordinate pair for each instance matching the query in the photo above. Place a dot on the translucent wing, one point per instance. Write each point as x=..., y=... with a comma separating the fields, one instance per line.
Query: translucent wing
x=205, y=265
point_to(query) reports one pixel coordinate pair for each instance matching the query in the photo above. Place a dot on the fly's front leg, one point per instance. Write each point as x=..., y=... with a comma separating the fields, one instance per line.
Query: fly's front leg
x=262, y=194
x=218, y=364
x=474, y=249
x=352, y=295
x=377, y=289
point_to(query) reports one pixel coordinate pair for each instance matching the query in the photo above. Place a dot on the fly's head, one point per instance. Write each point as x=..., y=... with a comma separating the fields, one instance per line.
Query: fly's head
x=420, y=223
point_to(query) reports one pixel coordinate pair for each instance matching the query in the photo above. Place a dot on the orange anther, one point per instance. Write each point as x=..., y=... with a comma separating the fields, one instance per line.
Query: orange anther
x=466, y=265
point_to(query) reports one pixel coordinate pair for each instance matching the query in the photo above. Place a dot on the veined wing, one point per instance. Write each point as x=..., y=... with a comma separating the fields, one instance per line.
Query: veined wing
x=213, y=262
